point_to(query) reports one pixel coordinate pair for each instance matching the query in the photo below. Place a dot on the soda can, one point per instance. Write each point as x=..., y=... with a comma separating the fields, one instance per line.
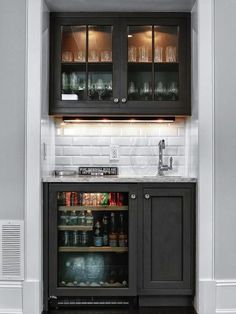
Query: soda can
x=105, y=199
x=112, y=199
x=61, y=198
x=74, y=199
x=68, y=196
x=120, y=199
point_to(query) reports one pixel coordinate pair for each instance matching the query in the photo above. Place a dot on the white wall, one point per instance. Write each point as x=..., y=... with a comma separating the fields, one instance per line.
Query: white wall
x=225, y=152
x=47, y=123
x=12, y=102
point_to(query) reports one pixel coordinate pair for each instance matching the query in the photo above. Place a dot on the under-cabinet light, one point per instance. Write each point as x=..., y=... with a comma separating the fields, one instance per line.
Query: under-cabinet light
x=119, y=120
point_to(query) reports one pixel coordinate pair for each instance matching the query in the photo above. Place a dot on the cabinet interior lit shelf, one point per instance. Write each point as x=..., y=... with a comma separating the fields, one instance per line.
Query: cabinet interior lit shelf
x=105, y=249
x=75, y=228
x=93, y=208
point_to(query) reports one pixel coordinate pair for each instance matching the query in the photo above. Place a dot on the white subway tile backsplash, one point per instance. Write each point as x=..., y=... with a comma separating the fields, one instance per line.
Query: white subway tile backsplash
x=62, y=160
x=88, y=144
x=176, y=141
x=82, y=160
x=95, y=141
x=168, y=131
x=59, y=151
x=63, y=141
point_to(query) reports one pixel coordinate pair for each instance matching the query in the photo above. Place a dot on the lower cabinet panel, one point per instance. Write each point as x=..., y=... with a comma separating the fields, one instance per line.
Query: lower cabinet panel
x=168, y=243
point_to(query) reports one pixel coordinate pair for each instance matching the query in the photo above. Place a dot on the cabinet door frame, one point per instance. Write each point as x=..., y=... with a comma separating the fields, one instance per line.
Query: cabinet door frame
x=155, y=107
x=185, y=287
x=53, y=289
x=81, y=106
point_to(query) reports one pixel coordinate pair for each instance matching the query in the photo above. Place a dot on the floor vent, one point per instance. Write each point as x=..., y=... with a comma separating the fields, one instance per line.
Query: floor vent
x=11, y=250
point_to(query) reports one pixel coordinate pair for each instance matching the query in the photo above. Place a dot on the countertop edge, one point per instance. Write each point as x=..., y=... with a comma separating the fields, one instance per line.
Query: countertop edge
x=117, y=179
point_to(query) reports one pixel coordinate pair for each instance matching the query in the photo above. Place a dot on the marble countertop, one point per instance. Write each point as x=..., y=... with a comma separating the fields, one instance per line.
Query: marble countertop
x=118, y=179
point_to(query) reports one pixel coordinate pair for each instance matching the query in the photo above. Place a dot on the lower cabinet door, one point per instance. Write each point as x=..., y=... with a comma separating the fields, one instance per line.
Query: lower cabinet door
x=168, y=241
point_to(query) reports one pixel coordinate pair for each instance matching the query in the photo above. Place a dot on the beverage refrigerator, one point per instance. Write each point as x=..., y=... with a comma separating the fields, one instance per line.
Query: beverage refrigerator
x=90, y=246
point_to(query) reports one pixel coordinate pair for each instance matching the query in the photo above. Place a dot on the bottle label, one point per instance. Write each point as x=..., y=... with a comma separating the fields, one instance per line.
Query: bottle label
x=113, y=243
x=98, y=241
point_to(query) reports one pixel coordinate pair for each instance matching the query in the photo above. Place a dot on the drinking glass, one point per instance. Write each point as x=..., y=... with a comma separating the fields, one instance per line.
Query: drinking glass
x=93, y=56
x=132, y=54
x=106, y=56
x=158, y=54
x=67, y=56
x=131, y=89
x=74, y=82
x=65, y=82
x=173, y=91
x=145, y=91
x=170, y=54
x=79, y=56
x=160, y=91
x=143, y=54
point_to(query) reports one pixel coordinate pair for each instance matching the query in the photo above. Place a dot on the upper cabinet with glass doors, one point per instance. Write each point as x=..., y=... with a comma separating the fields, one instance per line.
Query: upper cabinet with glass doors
x=120, y=65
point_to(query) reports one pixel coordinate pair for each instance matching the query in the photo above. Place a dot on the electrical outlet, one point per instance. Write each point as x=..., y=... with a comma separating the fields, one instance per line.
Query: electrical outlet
x=114, y=153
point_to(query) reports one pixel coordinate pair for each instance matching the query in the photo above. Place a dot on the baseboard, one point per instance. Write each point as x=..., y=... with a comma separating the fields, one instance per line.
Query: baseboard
x=205, y=301
x=11, y=297
x=226, y=296
x=32, y=297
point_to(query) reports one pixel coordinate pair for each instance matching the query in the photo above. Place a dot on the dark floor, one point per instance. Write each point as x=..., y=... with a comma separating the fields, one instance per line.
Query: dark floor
x=156, y=310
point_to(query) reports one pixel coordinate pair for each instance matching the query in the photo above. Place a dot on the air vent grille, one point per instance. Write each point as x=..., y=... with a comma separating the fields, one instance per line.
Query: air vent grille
x=11, y=250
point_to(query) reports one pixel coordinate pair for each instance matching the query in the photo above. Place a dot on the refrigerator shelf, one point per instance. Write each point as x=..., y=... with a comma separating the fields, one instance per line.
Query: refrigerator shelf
x=93, y=208
x=102, y=249
x=75, y=228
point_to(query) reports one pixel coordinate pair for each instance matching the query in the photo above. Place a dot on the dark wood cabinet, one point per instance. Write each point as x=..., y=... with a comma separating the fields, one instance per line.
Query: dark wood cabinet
x=120, y=64
x=167, y=224
x=158, y=263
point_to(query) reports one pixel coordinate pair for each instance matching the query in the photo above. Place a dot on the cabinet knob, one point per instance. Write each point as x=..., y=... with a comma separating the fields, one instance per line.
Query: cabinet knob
x=133, y=196
x=123, y=100
x=147, y=196
x=116, y=100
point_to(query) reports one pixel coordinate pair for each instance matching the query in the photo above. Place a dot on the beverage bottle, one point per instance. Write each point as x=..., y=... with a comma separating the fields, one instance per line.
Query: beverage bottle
x=73, y=218
x=75, y=238
x=84, y=238
x=97, y=234
x=64, y=218
x=105, y=230
x=89, y=218
x=122, y=237
x=113, y=234
x=81, y=219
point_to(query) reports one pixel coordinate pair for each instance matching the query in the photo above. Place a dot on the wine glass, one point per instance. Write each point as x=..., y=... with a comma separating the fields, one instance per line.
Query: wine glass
x=173, y=90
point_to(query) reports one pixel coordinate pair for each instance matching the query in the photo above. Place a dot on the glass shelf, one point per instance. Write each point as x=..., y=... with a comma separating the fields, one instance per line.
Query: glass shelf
x=93, y=208
x=75, y=228
x=105, y=249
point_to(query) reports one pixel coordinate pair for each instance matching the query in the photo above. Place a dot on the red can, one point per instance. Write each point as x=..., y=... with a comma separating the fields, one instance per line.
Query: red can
x=74, y=199
x=120, y=199
x=112, y=199
x=68, y=196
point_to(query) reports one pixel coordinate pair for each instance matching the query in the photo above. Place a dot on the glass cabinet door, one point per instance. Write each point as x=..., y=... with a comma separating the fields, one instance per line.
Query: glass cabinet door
x=86, y=63
x=93, y=242
x=153, y=68
x=166, y=63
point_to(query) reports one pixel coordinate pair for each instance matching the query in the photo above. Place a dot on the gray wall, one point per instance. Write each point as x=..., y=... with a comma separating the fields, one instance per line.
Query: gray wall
x=12, y=102
x=225, y=139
